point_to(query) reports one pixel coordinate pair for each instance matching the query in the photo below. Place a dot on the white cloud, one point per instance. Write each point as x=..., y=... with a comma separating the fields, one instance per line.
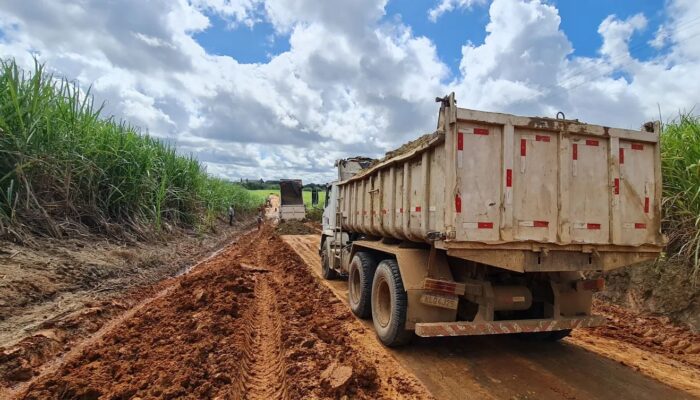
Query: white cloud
x=445, y=6
x=660, y=38
x=246, y=12
x=351, y=83
x=526, y=66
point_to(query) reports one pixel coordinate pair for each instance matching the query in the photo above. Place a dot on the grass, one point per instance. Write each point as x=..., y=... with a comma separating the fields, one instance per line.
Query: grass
x=680, y=154
x=65, y=169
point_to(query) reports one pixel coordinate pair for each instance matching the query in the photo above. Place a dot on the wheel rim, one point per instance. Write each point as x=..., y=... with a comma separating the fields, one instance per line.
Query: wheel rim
x=383, y=302
x=355, y=286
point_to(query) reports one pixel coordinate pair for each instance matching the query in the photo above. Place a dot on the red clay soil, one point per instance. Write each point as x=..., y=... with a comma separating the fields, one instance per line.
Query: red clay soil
x=654, y=334
x=251, y=322
x=58, y=294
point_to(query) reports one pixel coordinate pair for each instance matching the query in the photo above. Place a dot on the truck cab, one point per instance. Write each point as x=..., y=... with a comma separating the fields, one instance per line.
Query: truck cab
x=333, y=239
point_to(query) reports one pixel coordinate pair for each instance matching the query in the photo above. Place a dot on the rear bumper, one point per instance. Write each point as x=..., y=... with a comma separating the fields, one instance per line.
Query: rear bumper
x=462, y=328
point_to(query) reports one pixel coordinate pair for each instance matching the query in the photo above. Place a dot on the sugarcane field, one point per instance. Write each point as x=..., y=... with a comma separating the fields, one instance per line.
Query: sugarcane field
x=374, y=199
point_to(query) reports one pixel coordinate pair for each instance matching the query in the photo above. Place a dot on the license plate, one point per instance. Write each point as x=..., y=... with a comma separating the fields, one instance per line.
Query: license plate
x=449, y=302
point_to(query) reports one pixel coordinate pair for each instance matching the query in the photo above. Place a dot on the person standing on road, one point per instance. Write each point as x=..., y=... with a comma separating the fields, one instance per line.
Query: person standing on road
x=230, y=215
x=260, y=217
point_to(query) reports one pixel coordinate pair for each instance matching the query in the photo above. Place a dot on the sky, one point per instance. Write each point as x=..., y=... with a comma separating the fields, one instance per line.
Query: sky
x=282, y=88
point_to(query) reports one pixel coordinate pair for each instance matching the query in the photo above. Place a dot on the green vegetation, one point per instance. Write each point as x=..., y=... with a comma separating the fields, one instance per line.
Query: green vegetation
x=65, y=169
x=312, y=213
x=262, y=194
x=680, y=154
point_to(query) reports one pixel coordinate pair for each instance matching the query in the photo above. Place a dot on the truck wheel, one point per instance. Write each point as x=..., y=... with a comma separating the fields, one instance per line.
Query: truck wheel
x=389, y=305
x=326, y=271
x=360, y=277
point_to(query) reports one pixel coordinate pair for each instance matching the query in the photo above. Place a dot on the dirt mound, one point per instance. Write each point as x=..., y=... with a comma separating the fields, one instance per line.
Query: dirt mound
x=405, y=148
x=294, y=227
x=661, y=288
x=54, y=296
x=654, y=334
x=251, y=322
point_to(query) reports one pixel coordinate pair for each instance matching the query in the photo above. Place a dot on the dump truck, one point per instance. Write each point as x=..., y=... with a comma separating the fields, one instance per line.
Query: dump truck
x=291, y=200
x=493, y=224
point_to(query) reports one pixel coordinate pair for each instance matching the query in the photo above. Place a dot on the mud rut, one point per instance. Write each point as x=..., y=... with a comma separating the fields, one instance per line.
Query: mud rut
x=263, y=364
x=249, y=323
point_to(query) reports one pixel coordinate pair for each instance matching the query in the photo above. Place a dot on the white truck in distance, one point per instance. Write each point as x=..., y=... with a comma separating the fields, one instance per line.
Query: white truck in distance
x=291, y=200
x=488, y=225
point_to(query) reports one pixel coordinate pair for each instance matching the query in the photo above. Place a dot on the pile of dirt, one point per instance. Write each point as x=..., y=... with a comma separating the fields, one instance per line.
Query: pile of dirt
x=405, y=148
x=654, y=334
x=55, y=295
x=662, y=288
x=294, y=227
x=251, y=322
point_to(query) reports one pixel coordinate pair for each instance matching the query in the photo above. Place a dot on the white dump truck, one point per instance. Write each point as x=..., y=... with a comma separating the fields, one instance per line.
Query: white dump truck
x=291, y=200
x=493, y=224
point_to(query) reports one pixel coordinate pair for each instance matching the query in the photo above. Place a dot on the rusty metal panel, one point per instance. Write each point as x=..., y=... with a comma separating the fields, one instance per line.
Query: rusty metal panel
x=478, y=194
x=436, y=190
x=636, y=193
x=589, y=192
x=535, y=186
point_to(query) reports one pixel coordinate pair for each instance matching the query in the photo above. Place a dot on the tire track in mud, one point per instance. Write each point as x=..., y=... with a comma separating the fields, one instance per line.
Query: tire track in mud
x=263, y=363
x=249, y=323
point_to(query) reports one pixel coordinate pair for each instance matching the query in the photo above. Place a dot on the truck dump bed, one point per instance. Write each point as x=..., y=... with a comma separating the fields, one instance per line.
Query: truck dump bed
x=489, y=181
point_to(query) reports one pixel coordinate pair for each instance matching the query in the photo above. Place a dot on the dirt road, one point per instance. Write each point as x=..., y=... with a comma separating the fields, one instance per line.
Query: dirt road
x=249, y=323
x=256, y=321
x=507, y=368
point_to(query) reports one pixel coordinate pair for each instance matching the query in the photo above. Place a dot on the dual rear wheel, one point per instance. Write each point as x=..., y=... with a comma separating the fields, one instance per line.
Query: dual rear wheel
x=376, y=290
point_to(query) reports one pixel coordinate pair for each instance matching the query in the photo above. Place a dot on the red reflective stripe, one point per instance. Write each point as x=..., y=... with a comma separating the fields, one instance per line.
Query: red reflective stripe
x=401, y=209
x=617, y=185
x=637, y=146
x=540, y=224
x=591, y=142
x=574, y=153
x=481, y=131
x=458, y=203
x=485, y=225
x=460, y=141
x=622, y=156
x=509, y=178
x=592, y=226
x=418, y=208
x=523, y=147
x=640, y=225
x=542, y=138
x=646, y=204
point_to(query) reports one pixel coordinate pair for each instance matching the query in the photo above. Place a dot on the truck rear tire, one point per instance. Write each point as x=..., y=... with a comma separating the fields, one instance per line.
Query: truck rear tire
x=360, y=274
x=389, y=305
x=326, y=271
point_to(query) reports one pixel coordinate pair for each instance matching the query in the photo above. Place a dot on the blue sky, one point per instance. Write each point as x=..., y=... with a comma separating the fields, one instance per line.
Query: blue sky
x=580, y=21
x=220, y=79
